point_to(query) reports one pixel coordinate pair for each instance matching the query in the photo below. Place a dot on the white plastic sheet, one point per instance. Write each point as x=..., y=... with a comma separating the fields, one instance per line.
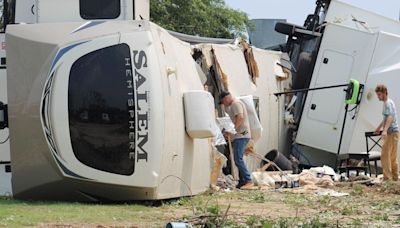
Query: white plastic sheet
x=226, y=125
x=255, y=124
x=219, y=138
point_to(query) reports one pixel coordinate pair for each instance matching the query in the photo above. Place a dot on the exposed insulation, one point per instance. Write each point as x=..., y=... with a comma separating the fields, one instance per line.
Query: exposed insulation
x=219, y=72
x=252, y=65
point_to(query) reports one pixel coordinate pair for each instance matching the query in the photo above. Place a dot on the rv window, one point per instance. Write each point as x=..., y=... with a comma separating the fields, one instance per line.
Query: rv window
x=101, y=110
x=100, y=9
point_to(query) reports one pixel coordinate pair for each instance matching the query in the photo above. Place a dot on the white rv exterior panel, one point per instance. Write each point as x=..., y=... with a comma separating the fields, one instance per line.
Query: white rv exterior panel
x=142, y=9
x=55, y=11
x=330, y=74
x=5, y=176
x=183, y=156
x=42, y=11
x=384, y=69
x=26, y=11
x=348, y=54
x=5, y=148
x=4, y=134
x=5, y=181
x=347, y=15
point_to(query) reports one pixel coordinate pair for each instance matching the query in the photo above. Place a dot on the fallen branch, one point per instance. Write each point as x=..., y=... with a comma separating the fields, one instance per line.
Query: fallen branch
x=225, y=215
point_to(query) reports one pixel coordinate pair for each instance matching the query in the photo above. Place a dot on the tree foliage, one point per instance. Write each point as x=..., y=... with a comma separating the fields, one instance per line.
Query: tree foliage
x=208, y=18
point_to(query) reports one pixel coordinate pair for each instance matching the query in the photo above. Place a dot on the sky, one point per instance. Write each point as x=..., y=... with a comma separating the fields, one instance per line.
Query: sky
x=295, y=11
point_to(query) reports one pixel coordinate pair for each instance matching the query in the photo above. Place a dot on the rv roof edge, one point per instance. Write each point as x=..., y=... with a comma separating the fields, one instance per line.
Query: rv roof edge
x=199, y=40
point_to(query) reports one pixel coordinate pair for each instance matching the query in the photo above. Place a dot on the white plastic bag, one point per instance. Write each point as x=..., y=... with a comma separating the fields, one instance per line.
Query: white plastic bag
x=226, y=125
x=254, y=121
x=219, y=138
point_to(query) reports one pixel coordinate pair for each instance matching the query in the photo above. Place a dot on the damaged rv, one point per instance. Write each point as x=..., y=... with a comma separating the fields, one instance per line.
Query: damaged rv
x=98, y=113
x=110, y=106
x=107, y=107
x=337, y=43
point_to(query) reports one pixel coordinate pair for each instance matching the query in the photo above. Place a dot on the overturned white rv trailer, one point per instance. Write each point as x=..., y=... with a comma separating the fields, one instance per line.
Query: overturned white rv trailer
x=96, y=112
x=317, y=45
x=337, y=43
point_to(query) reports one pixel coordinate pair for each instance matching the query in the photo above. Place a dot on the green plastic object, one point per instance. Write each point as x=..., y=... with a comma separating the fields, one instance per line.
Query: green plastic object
x=352, y=92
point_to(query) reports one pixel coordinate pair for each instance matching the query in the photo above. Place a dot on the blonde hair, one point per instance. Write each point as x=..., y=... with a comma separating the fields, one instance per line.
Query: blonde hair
x=381, y=89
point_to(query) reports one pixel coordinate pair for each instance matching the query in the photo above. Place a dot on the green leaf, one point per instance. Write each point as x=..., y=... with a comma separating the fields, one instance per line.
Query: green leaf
x=207, y=18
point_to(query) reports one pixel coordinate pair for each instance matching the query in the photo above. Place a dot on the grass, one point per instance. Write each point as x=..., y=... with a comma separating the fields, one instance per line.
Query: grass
x=14, y=213
x=358, y=190
x=257, y=196
x=264, y=209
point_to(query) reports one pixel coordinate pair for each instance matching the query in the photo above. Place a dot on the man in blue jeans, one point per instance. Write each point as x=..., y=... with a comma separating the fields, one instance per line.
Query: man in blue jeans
x=238, y=114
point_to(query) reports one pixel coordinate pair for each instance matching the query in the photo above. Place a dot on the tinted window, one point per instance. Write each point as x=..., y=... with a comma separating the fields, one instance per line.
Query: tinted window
x=101, y=110
x=99, y=9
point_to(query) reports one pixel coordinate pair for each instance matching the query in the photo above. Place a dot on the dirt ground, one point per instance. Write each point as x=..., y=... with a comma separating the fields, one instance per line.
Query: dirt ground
x=377, y=206
x=373, y=206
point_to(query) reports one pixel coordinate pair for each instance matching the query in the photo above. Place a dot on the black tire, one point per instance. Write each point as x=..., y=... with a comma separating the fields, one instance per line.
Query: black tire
x=287, y=28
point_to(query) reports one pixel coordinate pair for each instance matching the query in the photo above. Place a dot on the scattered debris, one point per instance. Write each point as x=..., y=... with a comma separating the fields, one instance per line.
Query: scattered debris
x=325, y=170
x=219, y=161
x=178, y=225
x=307, y=178
x=295, y=164
x=332, y=193
x=359, y=178
x=287, y=184
x=226, y=182
x=263, y=179
x=319, y=176
x=377, y=180
x=325, y=182
x=273, y=178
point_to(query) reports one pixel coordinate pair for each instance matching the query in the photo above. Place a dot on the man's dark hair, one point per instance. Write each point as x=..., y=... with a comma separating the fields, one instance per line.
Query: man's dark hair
x=222, y=95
